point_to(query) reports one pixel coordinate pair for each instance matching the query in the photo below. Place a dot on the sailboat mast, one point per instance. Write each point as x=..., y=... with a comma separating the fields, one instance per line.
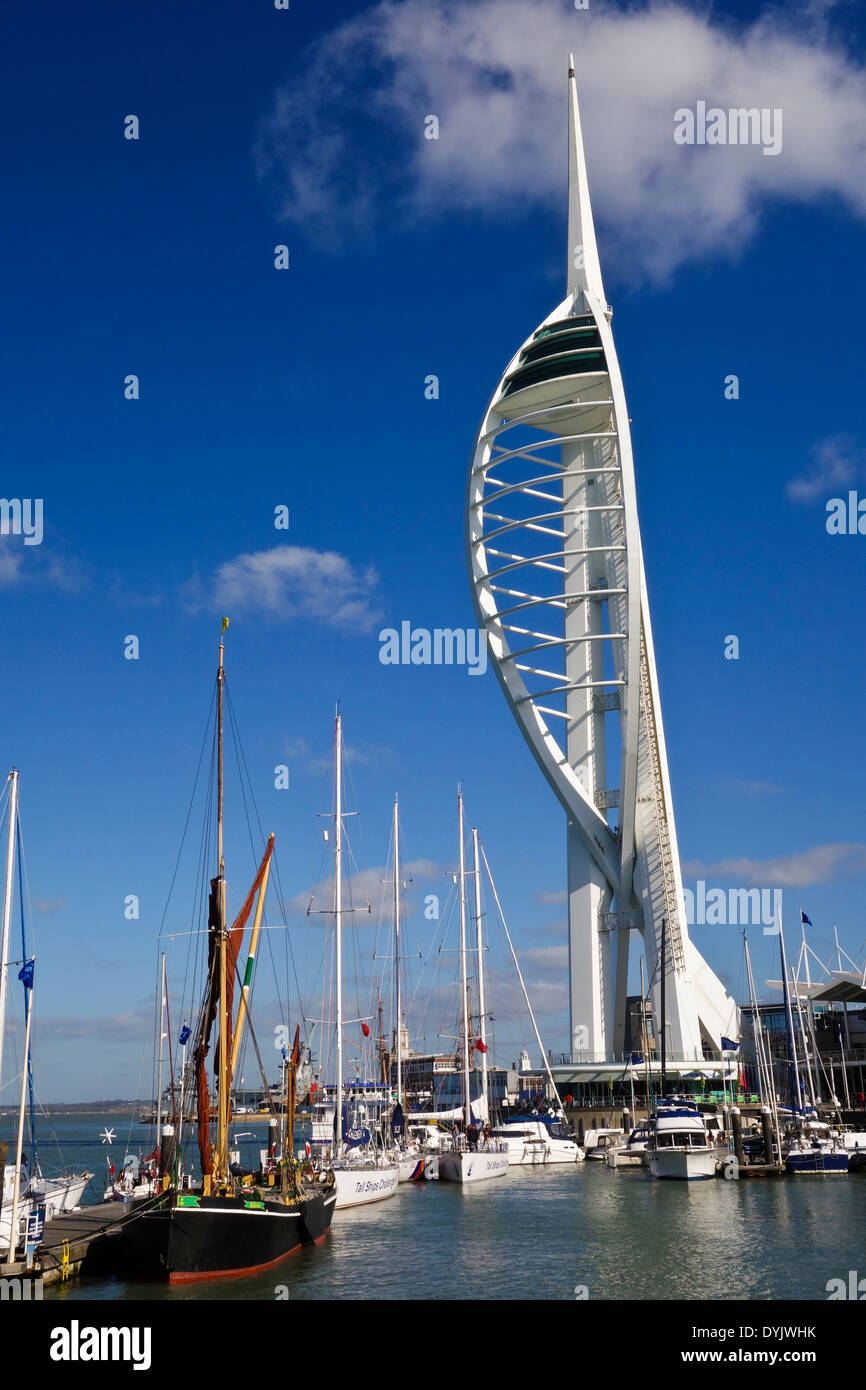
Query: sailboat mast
x=664, y=969
x=162, y=993
x=338, y=923
x=397, y=952
x=643, y=1039
x=793, y=1069
x=467, y=1104
x=7, y=906
x=544, y=1056
x=222, y=1130
x=19, y=1142
x=480, y=948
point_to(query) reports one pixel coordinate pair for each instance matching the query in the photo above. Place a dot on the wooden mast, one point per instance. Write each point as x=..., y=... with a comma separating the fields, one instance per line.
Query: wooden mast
x=222, y=1123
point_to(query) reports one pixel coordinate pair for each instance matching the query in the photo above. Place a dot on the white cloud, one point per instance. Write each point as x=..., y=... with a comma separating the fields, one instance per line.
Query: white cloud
x=549, y=897
x=33, y=564
x=545, y=957
x=820, y=864
x=373, y=886
x=837, y=462
x=343, y=145
x=290, y=582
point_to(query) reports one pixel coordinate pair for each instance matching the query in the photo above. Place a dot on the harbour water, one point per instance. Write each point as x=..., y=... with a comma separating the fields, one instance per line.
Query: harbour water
x=561, y=1233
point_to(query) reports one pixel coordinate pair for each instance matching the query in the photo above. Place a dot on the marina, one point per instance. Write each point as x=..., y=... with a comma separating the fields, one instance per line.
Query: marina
x=407, y=994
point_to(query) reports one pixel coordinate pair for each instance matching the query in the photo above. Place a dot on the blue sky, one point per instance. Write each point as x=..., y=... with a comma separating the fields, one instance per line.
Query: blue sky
x=306, y=388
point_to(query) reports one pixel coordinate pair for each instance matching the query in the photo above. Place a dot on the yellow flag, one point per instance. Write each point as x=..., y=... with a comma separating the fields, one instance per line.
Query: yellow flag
x=225, y=624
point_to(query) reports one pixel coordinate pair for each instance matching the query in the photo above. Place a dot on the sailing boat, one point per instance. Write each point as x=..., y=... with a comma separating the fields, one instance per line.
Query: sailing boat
x=25, y=1192
x=471, y=1161
x=363, y=1171
x=236, y=1222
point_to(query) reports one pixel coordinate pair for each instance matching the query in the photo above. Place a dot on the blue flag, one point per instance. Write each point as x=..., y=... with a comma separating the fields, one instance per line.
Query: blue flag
x=25, y=974
x=807, y=921
x=728, y=1045
x=184, y=1035
x=636, y=1059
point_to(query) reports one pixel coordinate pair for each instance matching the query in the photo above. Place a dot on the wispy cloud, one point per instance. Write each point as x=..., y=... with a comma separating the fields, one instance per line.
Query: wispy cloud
x=820, y=864
x=550, y=897
x=300, y=755
x=545, y=957
x=343, y=146
x=22, y=564
x=120, y=1027
x=48, y=905
x=368, y=886
x=291, y=582
x=754, y=788
x=836, y=462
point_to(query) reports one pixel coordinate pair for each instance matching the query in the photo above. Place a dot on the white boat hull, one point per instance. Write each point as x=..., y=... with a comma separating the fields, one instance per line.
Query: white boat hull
x=55, y=1194
x=687, y=1164
x=636, y=1158
x=534, y=1153
x=357, y=1187
x=416, y=1166
x=472, y=1167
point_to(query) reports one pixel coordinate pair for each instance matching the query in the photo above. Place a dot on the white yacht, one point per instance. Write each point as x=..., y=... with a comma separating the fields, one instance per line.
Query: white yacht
x=633, y=1153
x=534, y=1138
x=679, y=1145
x=597, y=1142
x=56, y=1195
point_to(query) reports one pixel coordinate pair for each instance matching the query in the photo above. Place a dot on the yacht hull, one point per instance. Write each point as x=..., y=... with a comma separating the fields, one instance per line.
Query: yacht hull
x=817, y=1161
x=357, y=1187
x=465, y=1168
x=684, y=1164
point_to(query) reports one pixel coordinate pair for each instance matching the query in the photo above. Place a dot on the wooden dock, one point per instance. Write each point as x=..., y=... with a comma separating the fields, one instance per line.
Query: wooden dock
x=88, y=1241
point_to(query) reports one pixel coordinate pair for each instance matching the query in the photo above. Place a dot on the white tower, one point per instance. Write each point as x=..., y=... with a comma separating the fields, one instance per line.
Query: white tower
x=558, y=581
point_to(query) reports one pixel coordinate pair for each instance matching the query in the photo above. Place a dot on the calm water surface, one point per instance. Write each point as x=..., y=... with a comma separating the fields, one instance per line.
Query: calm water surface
x=538, y=1234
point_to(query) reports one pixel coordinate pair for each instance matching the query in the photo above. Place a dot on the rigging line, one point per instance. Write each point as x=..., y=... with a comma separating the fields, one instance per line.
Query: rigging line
x=289, y=948
x=188, y=813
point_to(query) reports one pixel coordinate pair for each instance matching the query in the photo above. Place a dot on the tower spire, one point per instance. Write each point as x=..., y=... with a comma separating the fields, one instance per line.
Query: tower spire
x=584, y=271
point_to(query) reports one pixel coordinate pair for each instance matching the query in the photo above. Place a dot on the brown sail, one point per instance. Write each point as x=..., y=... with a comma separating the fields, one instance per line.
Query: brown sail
x=234, y=940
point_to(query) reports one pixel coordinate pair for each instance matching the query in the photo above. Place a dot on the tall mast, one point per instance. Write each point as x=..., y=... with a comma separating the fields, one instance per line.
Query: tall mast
x=338, y=922
x=467, y=1104
x=19, y=1142
x=643, y=1039
x=7, y=906
x=664, y=970
x=222, y=1132
x=544, y=1057
x=793, y=1069
x=162, y=992
x=397, y=951
x=479, y=943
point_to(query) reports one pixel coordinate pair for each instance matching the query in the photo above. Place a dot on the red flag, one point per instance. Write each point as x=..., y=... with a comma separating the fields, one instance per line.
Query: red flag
x=365, y=1029
x=482, y=1046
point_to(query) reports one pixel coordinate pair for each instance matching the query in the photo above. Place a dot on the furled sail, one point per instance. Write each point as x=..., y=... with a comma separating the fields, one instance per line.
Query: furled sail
x=234, y=940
